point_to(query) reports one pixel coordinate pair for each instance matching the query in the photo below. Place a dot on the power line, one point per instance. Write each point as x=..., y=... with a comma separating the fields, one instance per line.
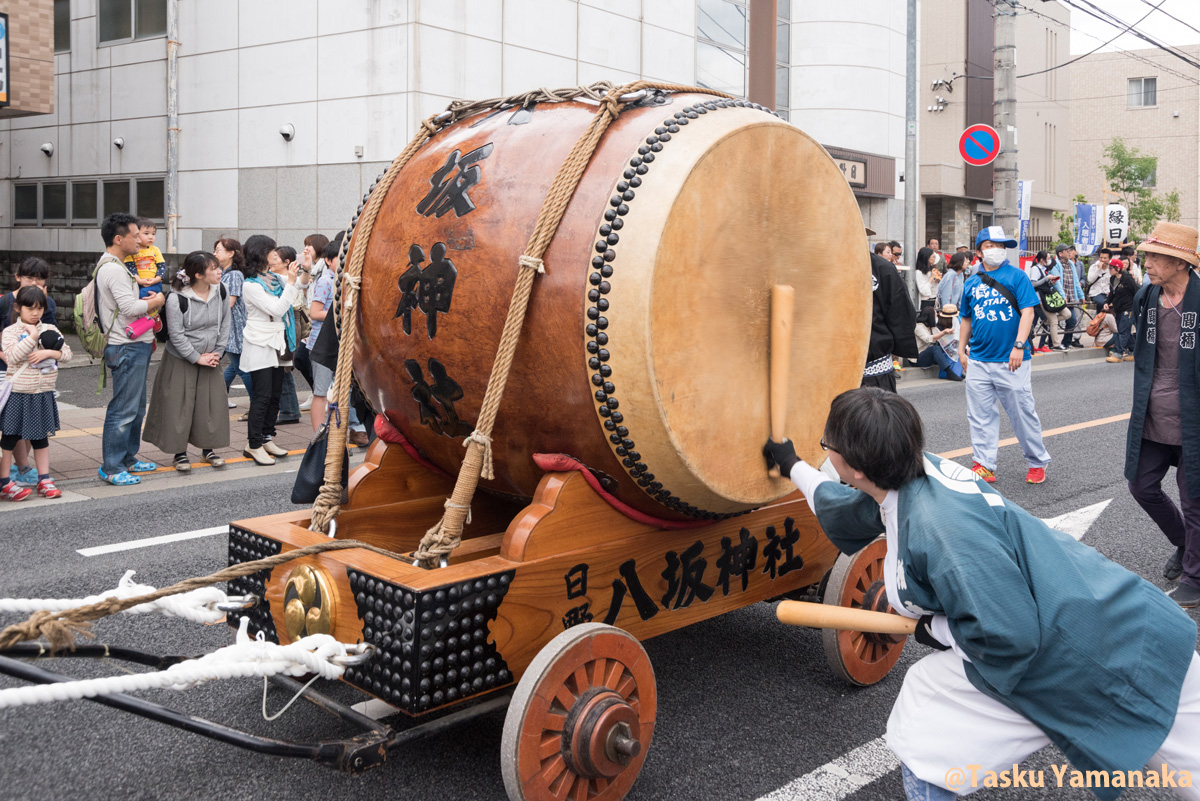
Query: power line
x=1115, y=20
x=1172, y=16
x=1085, y=55
x=1135, y=32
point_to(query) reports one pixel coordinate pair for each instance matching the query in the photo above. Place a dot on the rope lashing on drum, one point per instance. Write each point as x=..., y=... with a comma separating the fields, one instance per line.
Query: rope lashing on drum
x=445, y=536
x=199, y=606
x=60, y=627
x=247, y=657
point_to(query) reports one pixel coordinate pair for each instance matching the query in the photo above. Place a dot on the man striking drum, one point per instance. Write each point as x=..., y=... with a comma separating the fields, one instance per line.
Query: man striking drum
x=1040, y=639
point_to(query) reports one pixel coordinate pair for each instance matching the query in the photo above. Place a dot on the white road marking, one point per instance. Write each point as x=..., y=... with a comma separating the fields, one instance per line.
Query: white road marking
x=847, y=774
x=1078, y=522
x=150, y=541
x=839, y=778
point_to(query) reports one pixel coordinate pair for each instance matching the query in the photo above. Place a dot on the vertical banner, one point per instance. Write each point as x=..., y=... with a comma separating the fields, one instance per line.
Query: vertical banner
x=1024, y=198
x=1116, y=223
x=4, y=60
x=1087, y=228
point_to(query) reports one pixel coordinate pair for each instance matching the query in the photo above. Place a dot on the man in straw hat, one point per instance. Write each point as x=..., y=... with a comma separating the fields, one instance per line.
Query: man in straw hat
x=1164, y=426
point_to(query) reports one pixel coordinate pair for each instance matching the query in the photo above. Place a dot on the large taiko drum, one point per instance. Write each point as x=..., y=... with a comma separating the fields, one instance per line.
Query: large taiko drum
x=644, y=353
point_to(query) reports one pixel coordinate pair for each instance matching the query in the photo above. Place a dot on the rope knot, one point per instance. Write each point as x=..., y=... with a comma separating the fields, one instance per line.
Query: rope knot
x=484, y=442
x=531, y=263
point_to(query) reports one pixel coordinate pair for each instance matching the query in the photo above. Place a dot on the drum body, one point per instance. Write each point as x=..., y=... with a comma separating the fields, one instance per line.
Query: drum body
x=644, y=353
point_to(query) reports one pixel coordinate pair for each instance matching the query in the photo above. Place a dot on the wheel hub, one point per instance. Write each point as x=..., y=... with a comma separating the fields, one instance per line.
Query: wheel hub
x=875, y=599
x=599, y=739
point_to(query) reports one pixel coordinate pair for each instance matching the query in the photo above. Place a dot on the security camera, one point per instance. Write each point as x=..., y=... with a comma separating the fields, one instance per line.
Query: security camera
x=119, y=143
x=287, y=131
x=48, y=149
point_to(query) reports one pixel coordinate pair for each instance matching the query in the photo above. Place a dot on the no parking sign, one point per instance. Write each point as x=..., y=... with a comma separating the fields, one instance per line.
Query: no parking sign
x=979, y=145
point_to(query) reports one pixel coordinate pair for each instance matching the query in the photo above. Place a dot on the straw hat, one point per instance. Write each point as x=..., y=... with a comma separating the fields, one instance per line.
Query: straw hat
x=948, y=310
x=1173, y=239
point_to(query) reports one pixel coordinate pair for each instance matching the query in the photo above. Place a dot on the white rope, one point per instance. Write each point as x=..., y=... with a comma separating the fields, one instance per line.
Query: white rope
x=199, y=606
x=247, y=657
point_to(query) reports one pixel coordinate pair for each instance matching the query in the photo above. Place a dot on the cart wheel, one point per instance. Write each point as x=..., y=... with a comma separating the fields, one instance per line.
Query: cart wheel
x=581, y=718
x=857, y=582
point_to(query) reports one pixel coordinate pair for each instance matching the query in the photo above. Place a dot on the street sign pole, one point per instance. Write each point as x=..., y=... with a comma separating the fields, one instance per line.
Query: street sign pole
x=912, y=186
x=1004, y=199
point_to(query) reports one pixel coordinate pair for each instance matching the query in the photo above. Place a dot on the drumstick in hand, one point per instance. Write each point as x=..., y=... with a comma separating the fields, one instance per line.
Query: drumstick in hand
x=782, y=304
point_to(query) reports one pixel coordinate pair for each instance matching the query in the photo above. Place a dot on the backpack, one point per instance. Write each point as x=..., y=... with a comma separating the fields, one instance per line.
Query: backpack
x=87, y=315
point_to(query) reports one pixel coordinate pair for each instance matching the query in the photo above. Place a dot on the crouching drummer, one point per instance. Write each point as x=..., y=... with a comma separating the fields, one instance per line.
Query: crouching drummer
x=1039, y=638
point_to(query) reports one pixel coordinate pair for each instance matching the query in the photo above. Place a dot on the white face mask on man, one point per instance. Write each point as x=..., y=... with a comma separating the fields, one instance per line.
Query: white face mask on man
x=993, y=257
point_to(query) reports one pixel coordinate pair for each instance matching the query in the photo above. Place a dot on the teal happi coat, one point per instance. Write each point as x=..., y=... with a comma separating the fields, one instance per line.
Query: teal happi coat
x=1091, y=653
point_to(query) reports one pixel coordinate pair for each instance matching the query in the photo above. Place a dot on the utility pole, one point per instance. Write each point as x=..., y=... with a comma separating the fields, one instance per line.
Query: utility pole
x=912, y=187
x=172, y=126
x=1004, y=201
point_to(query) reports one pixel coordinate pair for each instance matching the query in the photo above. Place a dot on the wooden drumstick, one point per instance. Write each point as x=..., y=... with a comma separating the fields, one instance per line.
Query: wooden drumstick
x=826, y=616
x=783, y=303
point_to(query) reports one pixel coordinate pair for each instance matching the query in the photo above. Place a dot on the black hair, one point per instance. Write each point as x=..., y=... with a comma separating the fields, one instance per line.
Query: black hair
x=318, y=242
x=256, y=249
x=195, y=264
x=923, y=259
x=146, y=222
x=286, y=253
x=34, y=267
x=29, y=297
x=1041, y=254
x=234, y=247
x=958, y=260
x=1103, y=250
x=116, y=224
x=931, y=239
x=894, y=245
x=334, y=248
x=879, y=434
x=1128, y=252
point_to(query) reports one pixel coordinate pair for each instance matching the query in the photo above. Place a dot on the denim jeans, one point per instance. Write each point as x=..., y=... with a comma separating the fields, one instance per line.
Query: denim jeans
x=936, y=354
x=129, y=365
x=1122, y=342
x=289, y=404
x=235, y=368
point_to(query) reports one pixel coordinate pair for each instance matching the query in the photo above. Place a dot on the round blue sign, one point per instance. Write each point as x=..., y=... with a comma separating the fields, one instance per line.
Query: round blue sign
x=979, y=145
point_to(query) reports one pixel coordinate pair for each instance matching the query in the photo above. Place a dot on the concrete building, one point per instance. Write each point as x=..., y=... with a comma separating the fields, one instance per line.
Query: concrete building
x=958, y=42
x=350, y=79
x=28, y=85
x=1150, y=100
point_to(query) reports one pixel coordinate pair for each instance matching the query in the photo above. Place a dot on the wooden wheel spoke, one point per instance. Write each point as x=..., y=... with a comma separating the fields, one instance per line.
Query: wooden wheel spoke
x=554, y=722
x=582, y=682
x=626, y=687
x=561, y=787
x=596, y=674
x=554, y=770
x=615, y=671
x=565, y=697
x=582, y=788
x=551, y=745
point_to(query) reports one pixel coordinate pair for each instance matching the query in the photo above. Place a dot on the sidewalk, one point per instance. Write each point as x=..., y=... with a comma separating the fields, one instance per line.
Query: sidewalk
x=921, y=376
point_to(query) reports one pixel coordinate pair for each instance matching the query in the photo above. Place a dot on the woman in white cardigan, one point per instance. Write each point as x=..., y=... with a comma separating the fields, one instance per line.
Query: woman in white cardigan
x=267, y=343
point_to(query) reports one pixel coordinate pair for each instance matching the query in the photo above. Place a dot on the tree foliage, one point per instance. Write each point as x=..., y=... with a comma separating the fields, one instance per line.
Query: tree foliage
x=1066, y=222
x=1131, y=175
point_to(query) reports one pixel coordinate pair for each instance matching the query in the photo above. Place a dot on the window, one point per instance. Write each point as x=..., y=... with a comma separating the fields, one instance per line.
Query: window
x=121, y=20
x=83, y=201
x=25, y=203
x=1143, y=92
x=721, y=69
x=54, y=203
x=783, y=60
x=722, y=22
x=62, y=26
x=116, y=197
x=150, y=201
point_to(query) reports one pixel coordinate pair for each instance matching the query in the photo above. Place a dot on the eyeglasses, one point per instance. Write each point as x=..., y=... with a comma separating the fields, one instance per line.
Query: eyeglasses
x=824, y=445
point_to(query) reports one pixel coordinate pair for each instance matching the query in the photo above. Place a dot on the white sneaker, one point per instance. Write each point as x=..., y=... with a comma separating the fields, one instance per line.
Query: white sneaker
x=232, y=405
x=307, y=405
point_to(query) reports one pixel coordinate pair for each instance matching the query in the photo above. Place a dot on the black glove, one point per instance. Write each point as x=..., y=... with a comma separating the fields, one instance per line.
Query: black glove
x=782, y=454
x=925, y=636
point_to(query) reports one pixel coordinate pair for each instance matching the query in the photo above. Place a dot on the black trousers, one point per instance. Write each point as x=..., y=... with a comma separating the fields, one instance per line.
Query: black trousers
x=303, y=363
x=264, y=404
x=1181, y=528
x=883, y=381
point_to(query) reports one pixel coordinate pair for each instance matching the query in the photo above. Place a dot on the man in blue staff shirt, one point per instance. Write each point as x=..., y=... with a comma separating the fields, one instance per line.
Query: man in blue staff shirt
x=993, y=347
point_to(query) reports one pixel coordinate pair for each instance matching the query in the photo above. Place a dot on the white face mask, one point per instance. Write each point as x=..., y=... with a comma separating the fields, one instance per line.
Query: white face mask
x=993, y=257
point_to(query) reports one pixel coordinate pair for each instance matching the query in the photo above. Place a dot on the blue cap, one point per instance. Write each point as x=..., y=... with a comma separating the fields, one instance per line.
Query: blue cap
x=994, y=233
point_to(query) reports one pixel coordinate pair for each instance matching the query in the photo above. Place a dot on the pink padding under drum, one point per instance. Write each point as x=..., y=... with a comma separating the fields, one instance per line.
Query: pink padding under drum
x=391, y=435
x=562, y=463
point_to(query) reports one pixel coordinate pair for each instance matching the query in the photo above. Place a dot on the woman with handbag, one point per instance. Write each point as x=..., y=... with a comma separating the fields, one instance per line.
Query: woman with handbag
x=188, y=404
x=1053, y=305
x=268, y=343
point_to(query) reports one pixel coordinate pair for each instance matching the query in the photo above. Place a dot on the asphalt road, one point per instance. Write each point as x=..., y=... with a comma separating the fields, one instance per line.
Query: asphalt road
x=745, y=706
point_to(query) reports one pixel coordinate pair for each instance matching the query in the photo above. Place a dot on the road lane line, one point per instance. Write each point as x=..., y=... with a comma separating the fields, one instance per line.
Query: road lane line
x=149, y=541
x=1049, y=433
x=839, y=778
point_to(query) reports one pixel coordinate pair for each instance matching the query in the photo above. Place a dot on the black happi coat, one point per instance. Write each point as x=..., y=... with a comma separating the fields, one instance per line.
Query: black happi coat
x=1145, y=311
x=893, y=319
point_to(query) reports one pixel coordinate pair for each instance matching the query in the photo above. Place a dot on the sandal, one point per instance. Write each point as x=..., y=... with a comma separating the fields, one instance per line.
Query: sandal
x=181, y=463
x=122, y=479
x=142, y=467
x=213, y=459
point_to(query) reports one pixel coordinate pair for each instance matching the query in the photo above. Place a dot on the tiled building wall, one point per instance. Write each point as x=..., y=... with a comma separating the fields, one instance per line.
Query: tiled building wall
x=30, y=57
x=1169, y=130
